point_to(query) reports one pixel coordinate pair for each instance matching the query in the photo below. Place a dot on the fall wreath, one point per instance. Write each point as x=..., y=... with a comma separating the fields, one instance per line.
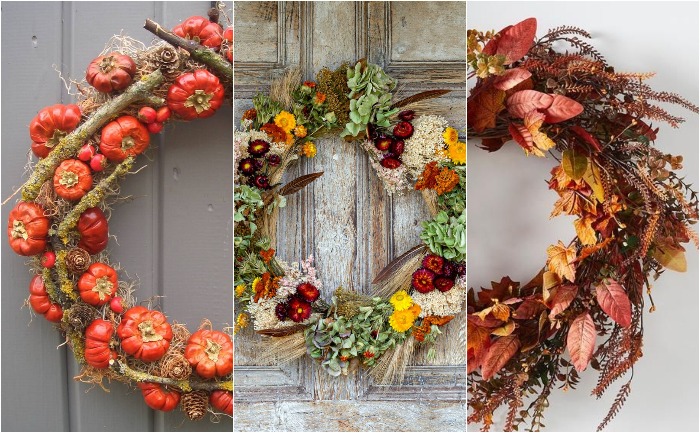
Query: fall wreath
x=84, y=149
x=633, y=212
x=418, y=292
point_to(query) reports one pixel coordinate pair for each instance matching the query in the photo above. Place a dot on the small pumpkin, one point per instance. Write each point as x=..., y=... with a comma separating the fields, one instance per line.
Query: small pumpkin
x=40, y=302
x=27, y=229
x=72, y=179
x=124, y=137
x=145, y=334
x=228, y=37
x=112, y=72
x=98, y=284
x=94, y=230
x=195, y=95
x=210, y=353
x=50, y=125
x=200, y=30
x=158, y=398
x=222, y=400
x=97, y=343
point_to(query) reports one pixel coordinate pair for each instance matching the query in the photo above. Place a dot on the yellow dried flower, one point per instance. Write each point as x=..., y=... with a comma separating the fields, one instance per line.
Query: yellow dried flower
x=458, y=153
x=241, y=322
x=401, y=300
x=300, y=131
x=240, y=289
x=451, y=136
x=401, y=321
x=309, y=149
x=286, y=121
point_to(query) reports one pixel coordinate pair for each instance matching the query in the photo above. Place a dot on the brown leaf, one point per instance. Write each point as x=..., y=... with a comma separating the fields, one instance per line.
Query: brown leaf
x=483, y=107
x=561, y=298
x=561, y=261
x=299, y=183
x=395, y=264
x=502, y=290
x=493, y=144
x=521, y=103
x=498, y=355
x=528, y=309
x=580, y=342
x=613, y=299
x=422, y=96
x=513, y=41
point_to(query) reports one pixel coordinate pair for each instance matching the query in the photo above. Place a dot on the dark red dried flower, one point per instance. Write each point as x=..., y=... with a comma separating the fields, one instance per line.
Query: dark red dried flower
x=383, y=143
x=281, y=311
x=308, y=292
x=274, y=160
x=391, y=162
x=434, y=263
x=298, y=310
x=444, y=284
x=461, y=269
x=407, y=115
x=403, y=129
x=261, y=182
x=258, y=147
x=259, y=164
x=247, y=166
x=448, y=269
x=397, y=147
x=422, y=280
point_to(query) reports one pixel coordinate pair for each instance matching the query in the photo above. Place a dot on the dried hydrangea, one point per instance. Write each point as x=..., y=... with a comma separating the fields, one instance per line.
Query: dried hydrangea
x=425, y=145
x=437, y=303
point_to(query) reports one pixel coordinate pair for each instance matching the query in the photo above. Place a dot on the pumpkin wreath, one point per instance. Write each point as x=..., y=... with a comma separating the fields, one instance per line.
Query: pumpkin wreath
x=84, y=149
x=633, y=215
x=418, y=292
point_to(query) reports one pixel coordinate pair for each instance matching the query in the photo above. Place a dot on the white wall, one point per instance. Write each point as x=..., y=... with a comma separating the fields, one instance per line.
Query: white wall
x=509, y=206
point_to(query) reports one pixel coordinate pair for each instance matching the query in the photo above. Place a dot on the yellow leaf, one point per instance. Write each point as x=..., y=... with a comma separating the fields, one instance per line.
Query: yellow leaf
x=533, y=121
x=549, y=280
x=501, y=312
x=584, y=231
x=561, y=261
x=671, y=257
x=592, y=178
x=505, y=330
x=574, y=164
x=483, y=313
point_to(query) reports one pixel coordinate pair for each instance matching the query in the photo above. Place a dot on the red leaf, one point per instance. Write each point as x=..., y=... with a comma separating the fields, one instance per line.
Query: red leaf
x=523, y=102
x=521, y=135
x=585, y=136
x=561, y=109
x=581, y=341
x=528, y=309
x=492, y=144
x=614, y=301
x=514, y=41
x=511, y=78
x=498, y=355
x=483, y=107
x=561, y=298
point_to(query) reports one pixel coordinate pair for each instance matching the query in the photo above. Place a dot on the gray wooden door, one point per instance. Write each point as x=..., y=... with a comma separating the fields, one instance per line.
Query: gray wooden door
x=187, y=178
x=345, y=219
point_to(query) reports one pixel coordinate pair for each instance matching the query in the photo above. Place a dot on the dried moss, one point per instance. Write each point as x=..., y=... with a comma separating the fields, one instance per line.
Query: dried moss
x=49, y=284
x=65, y=280
x=334, y=85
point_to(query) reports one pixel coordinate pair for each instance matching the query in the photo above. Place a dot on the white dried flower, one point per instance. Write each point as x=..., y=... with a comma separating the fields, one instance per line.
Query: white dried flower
x=425, y=144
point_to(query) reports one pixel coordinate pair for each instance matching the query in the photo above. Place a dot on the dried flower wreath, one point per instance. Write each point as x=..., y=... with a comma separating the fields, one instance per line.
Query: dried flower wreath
x=633, y=211
x=84, y=149
x=418, y=292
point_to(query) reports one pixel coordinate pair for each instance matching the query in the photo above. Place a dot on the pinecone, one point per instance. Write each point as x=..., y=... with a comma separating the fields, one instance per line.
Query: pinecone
x=81, y=315
x=77, y=261
x=180, y=335
x=175, y=366
x=168, y=60
x=47, y=199
x=195, y=404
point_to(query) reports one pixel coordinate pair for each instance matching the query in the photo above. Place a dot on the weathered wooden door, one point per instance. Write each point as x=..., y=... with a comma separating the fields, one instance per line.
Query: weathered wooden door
x=345, y=219
x=187, y=178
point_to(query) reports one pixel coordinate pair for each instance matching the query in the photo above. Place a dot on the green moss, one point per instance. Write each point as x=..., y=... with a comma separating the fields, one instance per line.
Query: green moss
x=65, y=280
x=49, y=284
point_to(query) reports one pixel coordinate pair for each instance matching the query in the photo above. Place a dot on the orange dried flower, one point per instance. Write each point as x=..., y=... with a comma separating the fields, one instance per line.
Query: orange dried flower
x=276, y=133
x=250, y=114
x=310, y=84
x=420, y=331
x=267, y=255
x=265, y=287
x=446, y=181
x=320, y=98
x=427, y=178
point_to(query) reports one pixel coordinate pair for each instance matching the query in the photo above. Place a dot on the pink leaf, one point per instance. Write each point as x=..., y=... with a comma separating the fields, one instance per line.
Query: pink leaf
x=561, y=109
x=561, y=298
x=498, y=355
x=511, y=78
x=522, y=102
x=580, y=341
x=614, y=301
x=513, y=41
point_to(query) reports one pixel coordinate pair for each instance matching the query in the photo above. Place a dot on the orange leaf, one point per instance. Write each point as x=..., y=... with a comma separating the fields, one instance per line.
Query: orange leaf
x=498, y=355
x=562, y=108
x=614, y=301
x=525, y=101
x=483, y=107
x=561, y=261
x=513, y=41
x=533, y=122
x=584, y=230
x=501, y=312
x=561, y=298
x=478, y=337
x=580, y=342
x=511, y=78
x=587, y=251
x=671, y=257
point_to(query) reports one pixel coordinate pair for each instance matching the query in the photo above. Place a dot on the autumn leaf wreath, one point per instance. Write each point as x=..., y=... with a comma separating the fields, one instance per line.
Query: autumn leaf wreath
x=61, y=223
x=585, y=307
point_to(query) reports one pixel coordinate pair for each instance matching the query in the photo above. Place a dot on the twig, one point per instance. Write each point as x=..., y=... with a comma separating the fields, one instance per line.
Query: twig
x=122, y=368
x=220, y=67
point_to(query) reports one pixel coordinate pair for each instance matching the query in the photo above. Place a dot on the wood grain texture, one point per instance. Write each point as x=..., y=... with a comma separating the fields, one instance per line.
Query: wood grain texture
x=70, y=35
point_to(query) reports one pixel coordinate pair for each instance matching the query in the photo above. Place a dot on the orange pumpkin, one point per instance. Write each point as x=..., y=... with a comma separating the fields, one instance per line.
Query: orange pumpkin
x=40, y=302
x=112, y=72
x=98, y=336
x=200, y=30
x=50, y=125
x=93, y=229
x=72, y=179
x=54, y=313
x=124, y=137
x=210, y=353
x=158, y=398
x=195, y=95
x=98, y=284
x=222, y=400
x=27, y=229
x=145, y=334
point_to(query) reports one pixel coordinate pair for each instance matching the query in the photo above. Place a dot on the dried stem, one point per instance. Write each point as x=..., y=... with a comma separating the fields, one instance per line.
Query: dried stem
x=185, y=385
